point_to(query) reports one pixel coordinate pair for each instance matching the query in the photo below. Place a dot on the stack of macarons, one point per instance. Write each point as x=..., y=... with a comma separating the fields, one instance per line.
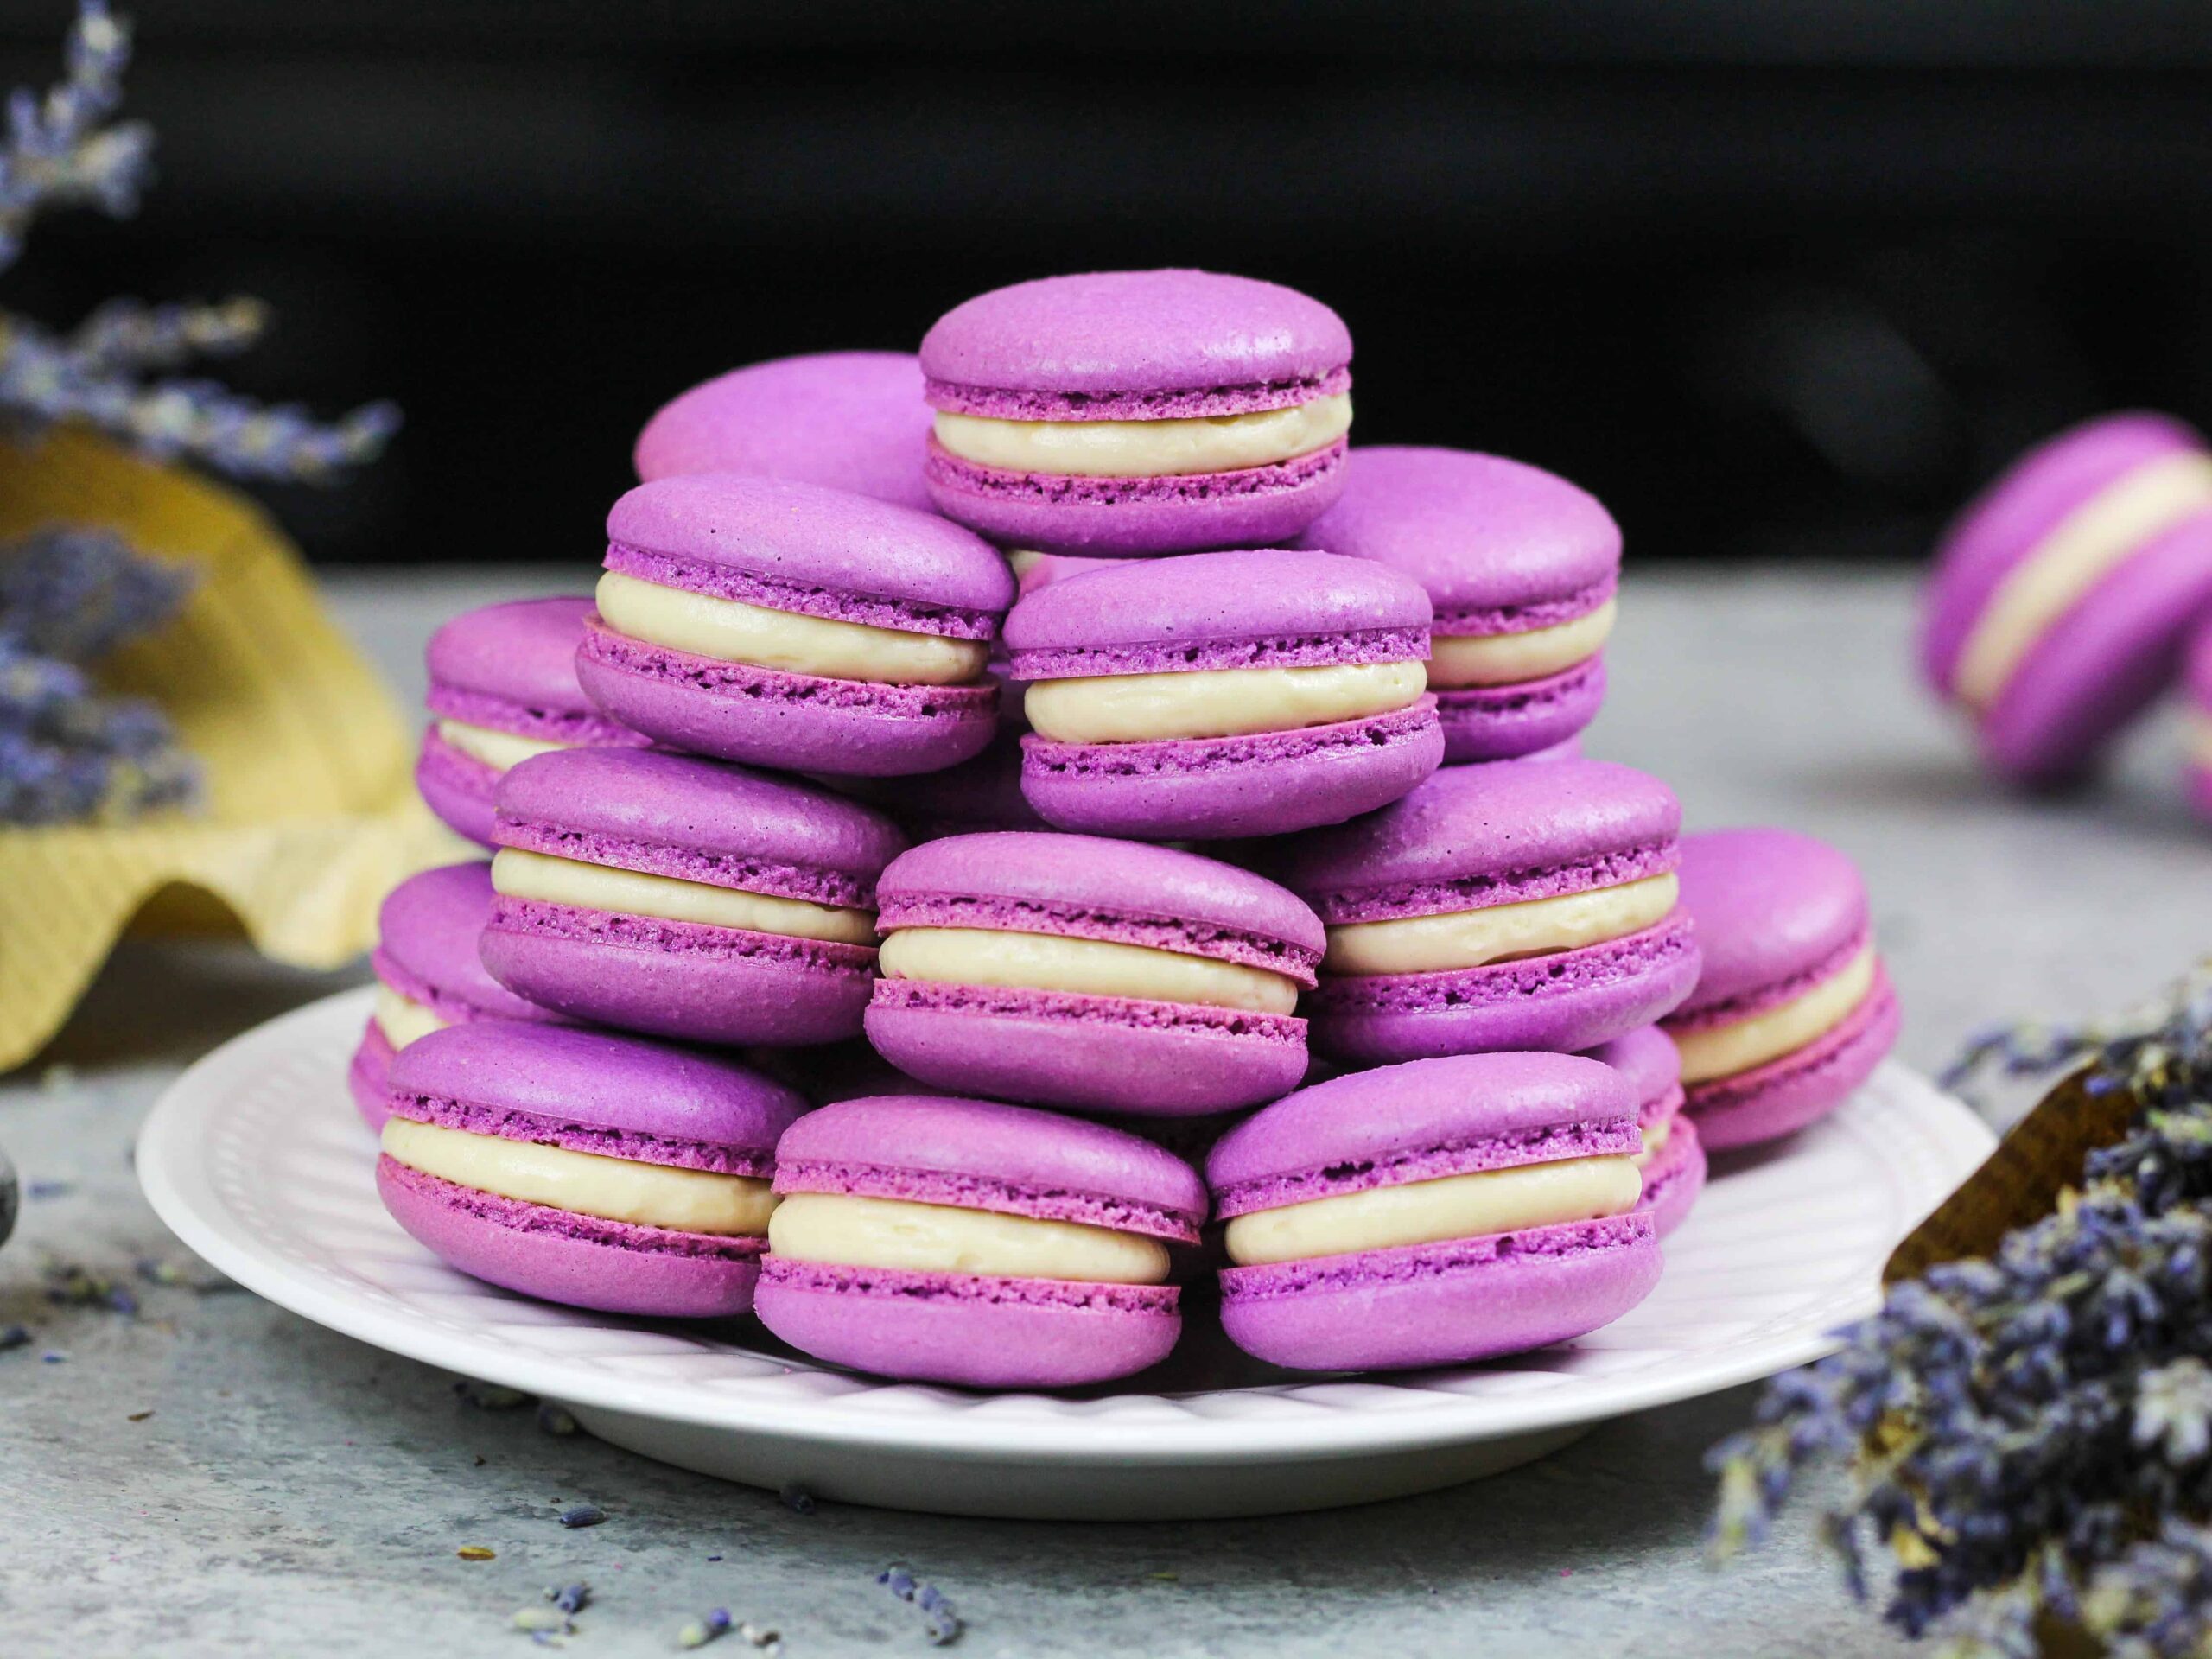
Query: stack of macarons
x=948, y=967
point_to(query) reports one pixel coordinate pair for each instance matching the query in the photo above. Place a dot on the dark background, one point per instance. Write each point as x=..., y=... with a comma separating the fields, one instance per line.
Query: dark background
x=1773, y=277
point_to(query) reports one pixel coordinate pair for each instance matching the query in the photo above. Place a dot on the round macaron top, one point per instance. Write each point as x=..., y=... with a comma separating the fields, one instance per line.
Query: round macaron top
x=1648, y=1059
x=1770, y=904
x=2013, y=514
x=847, y=420
x=695, y=819
x=596, y=1080
x=429, y=926
x=1421, y=1120
x=808, y=539
x=2199, y=668
x=1468, y=837
x=1092, y=887
x=1479, y=532
x=1100, y=343
x=979, y=1154
x=523, y=651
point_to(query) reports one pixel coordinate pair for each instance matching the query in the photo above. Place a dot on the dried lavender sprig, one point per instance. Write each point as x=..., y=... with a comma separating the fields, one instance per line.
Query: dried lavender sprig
x=124, y=333
x=696, y=1633
x=940, y=1623
x=76, y=593
x=61, y=150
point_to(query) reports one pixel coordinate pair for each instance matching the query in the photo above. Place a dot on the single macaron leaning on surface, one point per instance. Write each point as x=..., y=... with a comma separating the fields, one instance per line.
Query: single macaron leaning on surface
x=1521, y=568
x=974, y=1242
x=685, y=897
x=1673, y=1159
x=1514, y=905
x=503, y=687
x=1433, y=1213
x=789, y=625
x=1793, y=1009
x=1224, y=695
x=1095, y=974
x=2199, y=737
x=846, y=420
x=2061, y=596
x=429, y=975
x=1125, y=413
x=584, y=1167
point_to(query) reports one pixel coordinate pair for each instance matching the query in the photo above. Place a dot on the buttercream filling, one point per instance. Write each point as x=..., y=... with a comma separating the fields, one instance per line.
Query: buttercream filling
x=497, y=750
x=553, y=880
x=1464, y=659
x=894, y=1233
x=402, y=1019
x=1429, y=1212
x=1654, y=1138
x=1212, y=443
x=584, y=1182
x=1048, y=962
x=1712, y=1051
x=1470, y=938
x=1219, y=702
x=2080, y=552
x=731, y=630
x=2200, y=738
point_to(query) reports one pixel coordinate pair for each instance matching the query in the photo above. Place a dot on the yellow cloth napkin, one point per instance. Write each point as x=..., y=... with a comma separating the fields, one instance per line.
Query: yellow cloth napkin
x=309, y=814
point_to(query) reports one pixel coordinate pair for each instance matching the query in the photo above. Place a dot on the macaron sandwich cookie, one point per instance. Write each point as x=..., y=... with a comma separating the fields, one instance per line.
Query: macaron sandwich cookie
x=584, y=1167
x=2061, y=596
x=503, y=688
x=1509, y=906
x=790, y=626
x=1433, y=1213
x=847, y=420
x=1101, y=975
x=969, y=1241
x=1133, y=412
x=1793, y=1009
x=1224, y=694
x=1521, y=567
x=428, y=975
x=1673, y=1159
x=2200, y=718
x=684, y=898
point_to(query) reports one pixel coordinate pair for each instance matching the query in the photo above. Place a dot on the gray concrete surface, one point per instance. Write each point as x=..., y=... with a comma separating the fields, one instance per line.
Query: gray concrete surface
x=216, y=1477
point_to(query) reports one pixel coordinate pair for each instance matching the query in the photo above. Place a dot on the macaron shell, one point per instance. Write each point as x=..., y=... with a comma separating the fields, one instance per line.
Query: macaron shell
x=1674, y=1177
x=1445, y=1304
x=458, y=788
x=427, y=932
x=521, y=652
x=1648, y=1061
x=1787, y=1094
x=1772, y=908
x=1507, y=722
x=578, y=1261
x=368, y=1077
x=969, y=1330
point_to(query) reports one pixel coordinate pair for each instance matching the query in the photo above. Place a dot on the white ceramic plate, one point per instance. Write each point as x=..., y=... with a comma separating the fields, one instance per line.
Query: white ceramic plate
x=255, y=1159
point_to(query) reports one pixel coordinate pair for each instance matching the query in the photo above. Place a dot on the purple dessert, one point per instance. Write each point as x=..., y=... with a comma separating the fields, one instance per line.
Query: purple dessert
x=2200, y=718
x=1673, y=1159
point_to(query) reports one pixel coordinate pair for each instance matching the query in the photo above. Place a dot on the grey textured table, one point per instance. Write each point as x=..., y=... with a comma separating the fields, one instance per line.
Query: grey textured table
x=217, y=1477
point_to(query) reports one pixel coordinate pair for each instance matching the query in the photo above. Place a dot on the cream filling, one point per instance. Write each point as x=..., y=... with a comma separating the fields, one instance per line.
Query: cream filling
x=614, y=1189
x=1211, y=443
x=731, y=630
x=1219, y=702
x=1044, y=961
x=1428, y=1212
x=497, y=750
x=1723, y=1050
x=857, y=1232
x=1655, y=1137
x=1458, y=659
x=553, y=880
x=2080, y=552
x=2200, y=738
x=402, y=1019
x=1468, y=939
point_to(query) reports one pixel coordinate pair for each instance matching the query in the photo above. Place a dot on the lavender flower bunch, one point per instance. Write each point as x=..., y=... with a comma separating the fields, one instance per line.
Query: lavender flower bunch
x=2028, y=1436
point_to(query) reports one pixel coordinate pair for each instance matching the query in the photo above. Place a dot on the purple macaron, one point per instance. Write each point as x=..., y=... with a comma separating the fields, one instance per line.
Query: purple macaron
x=584, y=1167
x=967, y=1242
x=789, y=625
x=846, y=420
x=1134, y=412
x=684, y=898
x=1521, y=566
x=1673, y=1159
x=2200, y=718
x=2062, y=595
x=1433, y=1213
x=1515, y=906
x=1792, y=1010
x=429, y=975
x=503, y=687
x=1103, y=975
x=1224, y=695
